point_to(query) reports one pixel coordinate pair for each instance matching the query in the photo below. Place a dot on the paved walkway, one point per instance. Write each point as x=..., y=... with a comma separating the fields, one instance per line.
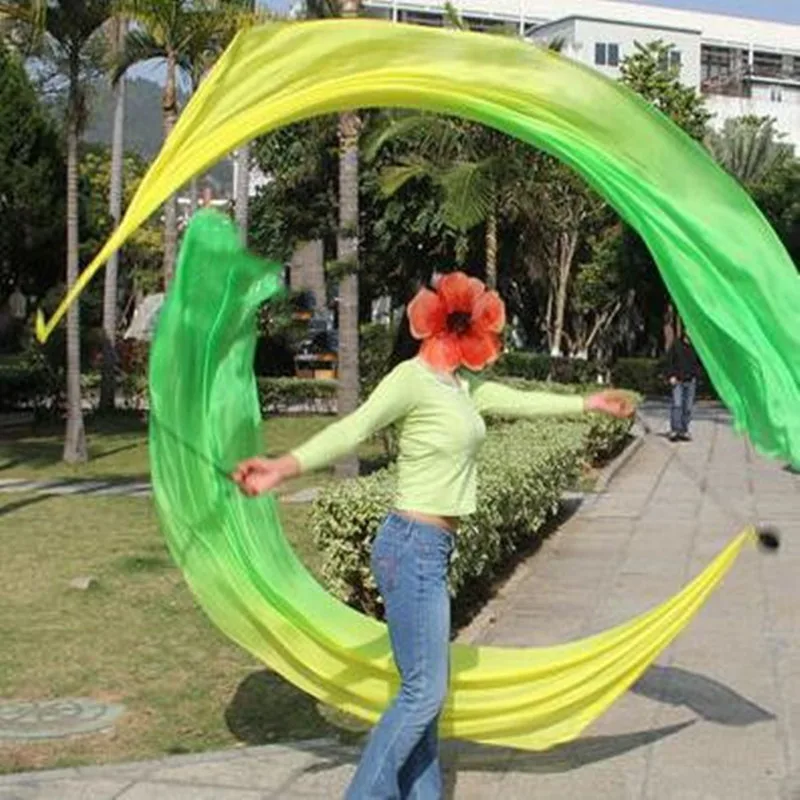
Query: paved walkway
x=719, y=717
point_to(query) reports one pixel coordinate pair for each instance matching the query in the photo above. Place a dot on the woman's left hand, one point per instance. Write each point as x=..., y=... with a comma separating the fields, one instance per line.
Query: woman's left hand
x=614, y=402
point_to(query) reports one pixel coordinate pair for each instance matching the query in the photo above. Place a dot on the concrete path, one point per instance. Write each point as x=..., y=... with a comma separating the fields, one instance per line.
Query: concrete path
x=719, y=717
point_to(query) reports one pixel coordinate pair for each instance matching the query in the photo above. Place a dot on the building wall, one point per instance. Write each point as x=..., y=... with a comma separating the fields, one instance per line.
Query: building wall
x=583, y=36
x=786, y=113
x=582, y=24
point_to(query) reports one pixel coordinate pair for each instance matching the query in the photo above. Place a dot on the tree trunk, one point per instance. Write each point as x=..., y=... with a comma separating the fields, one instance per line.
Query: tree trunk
x=491, y=250
x=108, y=383
x=566, y=252
x=75, y=439
x=170, y=107
x=242, y=190
x=347, y=253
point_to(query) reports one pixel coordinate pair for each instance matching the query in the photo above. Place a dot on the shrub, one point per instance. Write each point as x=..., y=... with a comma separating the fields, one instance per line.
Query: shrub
x=648, y=376
x=542, y=367
x=24, y=387
x=280, y=395
x=643, y=375
x=604, y=436
x=524, y=470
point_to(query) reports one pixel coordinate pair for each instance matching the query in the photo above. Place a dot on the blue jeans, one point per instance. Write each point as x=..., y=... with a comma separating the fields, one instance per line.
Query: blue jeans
x=401, y=760
x=683, y=393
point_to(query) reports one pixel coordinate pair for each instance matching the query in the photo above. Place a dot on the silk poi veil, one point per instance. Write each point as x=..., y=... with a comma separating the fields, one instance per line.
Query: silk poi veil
x=731, y=279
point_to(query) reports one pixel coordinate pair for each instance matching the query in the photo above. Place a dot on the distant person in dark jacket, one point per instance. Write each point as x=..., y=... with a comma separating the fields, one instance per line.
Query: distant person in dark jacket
x=683, y=369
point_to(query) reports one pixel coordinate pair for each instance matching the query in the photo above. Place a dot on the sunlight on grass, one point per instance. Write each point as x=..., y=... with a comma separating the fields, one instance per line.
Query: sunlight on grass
x=136, y=638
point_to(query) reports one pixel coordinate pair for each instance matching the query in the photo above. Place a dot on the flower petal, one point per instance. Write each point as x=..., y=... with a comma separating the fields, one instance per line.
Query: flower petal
x=427, y=314
x=489, y=313
x=479, y=349
x=459, y=292
x=441, y=352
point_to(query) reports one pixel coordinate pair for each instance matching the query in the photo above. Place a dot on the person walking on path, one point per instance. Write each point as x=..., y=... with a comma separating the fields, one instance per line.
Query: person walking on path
x=683, y=369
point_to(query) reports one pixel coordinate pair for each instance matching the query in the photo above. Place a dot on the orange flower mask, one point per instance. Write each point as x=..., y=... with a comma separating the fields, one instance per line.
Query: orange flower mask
x=459, y=323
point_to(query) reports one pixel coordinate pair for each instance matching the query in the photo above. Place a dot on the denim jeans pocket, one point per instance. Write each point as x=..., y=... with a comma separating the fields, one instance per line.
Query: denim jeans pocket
x=384, y=568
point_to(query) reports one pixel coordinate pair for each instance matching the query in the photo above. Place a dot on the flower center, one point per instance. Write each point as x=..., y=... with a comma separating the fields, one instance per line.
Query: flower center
x=459, y=322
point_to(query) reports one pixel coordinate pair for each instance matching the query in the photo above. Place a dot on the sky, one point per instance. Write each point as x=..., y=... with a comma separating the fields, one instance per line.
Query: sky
x=779, y=10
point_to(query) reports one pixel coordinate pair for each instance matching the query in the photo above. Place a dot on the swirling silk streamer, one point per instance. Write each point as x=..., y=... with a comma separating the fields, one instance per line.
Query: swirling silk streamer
x=732, y=281
x=205, y=417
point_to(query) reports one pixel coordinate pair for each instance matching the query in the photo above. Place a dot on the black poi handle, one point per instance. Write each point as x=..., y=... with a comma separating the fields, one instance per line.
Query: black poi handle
x=769, y=538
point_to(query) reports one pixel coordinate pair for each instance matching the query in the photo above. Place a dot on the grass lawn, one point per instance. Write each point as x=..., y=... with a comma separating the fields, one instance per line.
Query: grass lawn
x=118, y=448
x=136, y=638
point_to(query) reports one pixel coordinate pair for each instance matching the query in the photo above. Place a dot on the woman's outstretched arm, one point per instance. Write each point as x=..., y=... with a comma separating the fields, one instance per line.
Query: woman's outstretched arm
x=391, y=400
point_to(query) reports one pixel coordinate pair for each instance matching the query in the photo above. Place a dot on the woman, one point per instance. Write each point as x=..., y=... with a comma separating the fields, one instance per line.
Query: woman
x=439, y=409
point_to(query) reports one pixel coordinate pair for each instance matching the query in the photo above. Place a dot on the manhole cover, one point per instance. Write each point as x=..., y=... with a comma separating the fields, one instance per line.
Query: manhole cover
x=54, y=719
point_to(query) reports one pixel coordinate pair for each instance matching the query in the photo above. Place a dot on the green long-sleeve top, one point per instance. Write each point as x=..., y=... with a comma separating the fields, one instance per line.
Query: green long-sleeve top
x=441, y=432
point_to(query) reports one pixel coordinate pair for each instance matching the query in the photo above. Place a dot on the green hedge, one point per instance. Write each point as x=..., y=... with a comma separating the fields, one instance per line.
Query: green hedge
x=28, y=385
x=524, y=468
x=543, y=367
x=643, y=375
x=648, y=376
x=281, y=395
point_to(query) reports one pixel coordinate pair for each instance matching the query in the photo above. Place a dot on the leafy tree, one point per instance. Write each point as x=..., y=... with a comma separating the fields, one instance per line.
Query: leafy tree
x=185, y=35
x=32, y=174
x=778, y=196
x=649, y=73
x=70, y=38
x=476, y=170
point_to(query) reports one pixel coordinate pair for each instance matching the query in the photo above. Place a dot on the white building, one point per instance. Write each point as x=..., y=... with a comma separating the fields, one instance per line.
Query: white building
x=742, y=66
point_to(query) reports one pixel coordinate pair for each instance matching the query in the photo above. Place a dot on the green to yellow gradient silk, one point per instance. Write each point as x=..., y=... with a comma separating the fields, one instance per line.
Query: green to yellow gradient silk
x=205, y=417
x=732, y=281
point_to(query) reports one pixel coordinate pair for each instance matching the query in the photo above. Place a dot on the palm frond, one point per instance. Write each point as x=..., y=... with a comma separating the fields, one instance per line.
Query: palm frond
x=393, y=178
x=397, y=127
x=139, y=46
x=469, y=195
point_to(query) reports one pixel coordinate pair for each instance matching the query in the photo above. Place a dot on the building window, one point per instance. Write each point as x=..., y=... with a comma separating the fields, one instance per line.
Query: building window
x=675, y=59
x=776, y=94
x=606, y=55
x=600, y=54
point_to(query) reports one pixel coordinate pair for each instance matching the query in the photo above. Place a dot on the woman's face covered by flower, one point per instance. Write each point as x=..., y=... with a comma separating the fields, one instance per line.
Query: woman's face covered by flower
x=459, y=323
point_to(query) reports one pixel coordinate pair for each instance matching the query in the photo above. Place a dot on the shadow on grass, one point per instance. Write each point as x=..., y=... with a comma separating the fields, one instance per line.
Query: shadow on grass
x=266, y=709
x=18, y=505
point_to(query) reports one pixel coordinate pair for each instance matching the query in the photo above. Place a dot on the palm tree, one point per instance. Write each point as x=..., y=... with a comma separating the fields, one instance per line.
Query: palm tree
x=477, y=169
x=346, y=241
x=176, y=32
x=70, y=35
x=748, y=147
x=347, y=254
x=108, y=384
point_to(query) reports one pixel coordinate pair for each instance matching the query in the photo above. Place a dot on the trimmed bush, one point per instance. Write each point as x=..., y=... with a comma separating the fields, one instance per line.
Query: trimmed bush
x=524, y=469
x=604, y=436
x=24, y=387
x=648, y=376
x=543, y=367
x=281, y=395
x=643, y=375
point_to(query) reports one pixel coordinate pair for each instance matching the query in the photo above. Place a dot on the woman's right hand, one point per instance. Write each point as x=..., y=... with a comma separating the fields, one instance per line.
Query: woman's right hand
x=255, y=476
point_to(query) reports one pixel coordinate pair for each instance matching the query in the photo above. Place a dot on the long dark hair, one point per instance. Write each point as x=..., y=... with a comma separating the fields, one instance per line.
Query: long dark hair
x=405, y=345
